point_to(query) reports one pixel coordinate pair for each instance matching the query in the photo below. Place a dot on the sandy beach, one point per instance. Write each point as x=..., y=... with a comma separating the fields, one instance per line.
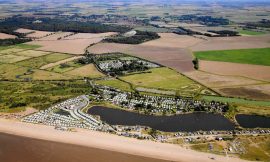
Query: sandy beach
x=104, y=141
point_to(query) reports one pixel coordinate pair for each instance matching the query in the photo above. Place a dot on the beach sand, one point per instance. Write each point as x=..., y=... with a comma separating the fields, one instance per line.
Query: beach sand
x=25, y=142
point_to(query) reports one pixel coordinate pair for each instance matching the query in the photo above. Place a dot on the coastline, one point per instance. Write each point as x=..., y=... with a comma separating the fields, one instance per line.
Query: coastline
x=108, y=142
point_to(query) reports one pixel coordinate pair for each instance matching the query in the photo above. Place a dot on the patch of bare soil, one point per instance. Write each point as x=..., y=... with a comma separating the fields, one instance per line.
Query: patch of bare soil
x=217, y=81
x=227, y=43
x=245, y=92
x=6, y=36
x=173, y=40
x=226, y=68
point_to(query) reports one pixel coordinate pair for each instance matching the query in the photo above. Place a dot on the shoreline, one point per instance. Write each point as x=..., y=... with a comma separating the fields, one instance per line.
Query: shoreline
x=105, y=141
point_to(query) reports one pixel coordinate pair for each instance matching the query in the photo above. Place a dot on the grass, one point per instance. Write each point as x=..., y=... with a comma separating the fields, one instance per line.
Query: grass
x=165, y=79
x=256, y=148
x=44, y=60
x=32, y=53
x=245, y=56
x=12, y=58
x=236, y=101
x=250, y=32
x=62, y=69
x=89, y=71
x=16, y=72
x=205, y=147
x=115, y=83
x=38, y=94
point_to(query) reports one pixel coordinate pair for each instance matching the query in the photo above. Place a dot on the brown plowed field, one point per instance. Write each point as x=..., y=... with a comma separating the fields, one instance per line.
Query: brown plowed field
x=225, y=68
x=76, y=46
x=6, y=36
x=217, y=81
x=173, y=41
x=227, y=43
x=101, y=48
x=246, y=92
x=176, y=58
x=90, y=35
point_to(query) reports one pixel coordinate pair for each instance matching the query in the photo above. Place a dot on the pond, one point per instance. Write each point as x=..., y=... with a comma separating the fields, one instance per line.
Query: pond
x=184, y=122
x=253, y=121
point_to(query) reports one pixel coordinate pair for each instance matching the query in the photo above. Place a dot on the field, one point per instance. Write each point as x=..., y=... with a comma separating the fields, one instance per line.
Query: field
x=101, y=48
x=43, y=60
x=238, y=101
x=33, y=33
x=67, y=42
x=250, y=91
x=164, y=78
x=250, y=32
x=12, y=58
x=256, y=147
x=89, y=71
x=116, y=84
x=256, y=72
x=58, y=63
x=244, y=56
x=32, y=53
x=229, y=43
x=173, y=41
x=6, y=36
x=233, y=86
x=38, y=34
x=37, y=94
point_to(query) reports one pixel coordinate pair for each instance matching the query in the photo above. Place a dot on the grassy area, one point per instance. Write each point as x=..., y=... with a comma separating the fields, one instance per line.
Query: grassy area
x=44, y=60
x=213, y=147
x=89, y=71
x=256, y=148
x=62, y=68
x=116, y=84
x=250, y=32
x=38, y=94
x=164, y=78
x=246, y=56
x=236, y=101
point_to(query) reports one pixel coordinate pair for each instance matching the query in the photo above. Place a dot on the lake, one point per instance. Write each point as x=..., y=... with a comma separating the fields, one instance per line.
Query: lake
x=185, y=122
x=253, y=121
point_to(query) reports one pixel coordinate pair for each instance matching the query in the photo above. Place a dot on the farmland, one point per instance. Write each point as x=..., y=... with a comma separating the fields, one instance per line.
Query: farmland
x=116, y=84
x=43, y=60
x=256, y=72
x=244, y=56
x=85, y=71
x=233, y=43
x=164, y=78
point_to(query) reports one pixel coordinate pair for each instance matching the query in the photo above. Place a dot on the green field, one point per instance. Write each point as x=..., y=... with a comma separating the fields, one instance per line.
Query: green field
x=165, y=79
x=245, y=56
x=115, y=83
x=250, y=32
x=44, y=60
x=62, y=68
x=236, y=101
